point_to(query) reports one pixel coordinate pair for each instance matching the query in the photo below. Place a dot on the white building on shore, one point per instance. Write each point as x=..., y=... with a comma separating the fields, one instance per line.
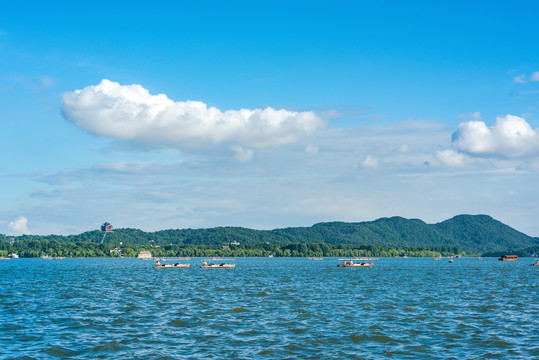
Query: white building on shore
x=144, y=255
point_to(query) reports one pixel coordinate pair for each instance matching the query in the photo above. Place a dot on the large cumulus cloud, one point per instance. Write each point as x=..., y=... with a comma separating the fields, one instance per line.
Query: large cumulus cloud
x=509, y=136
x=130, y=112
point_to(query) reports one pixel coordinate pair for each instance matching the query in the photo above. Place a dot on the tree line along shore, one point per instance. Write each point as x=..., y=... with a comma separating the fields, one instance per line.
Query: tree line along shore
x=465, y=235
x=39, y=248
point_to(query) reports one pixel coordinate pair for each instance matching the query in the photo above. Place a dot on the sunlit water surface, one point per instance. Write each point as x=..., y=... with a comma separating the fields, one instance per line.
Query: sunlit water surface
x=269, y=308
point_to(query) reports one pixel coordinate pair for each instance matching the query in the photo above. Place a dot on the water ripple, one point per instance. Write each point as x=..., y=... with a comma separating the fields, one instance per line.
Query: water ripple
x=269, y=308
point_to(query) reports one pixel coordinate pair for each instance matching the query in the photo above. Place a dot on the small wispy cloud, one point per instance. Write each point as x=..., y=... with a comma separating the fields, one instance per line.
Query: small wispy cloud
x=522, y=79
x=34, y=83
x=404, y=148
x=242, y=154
x=470, y=116
x=311, y=150
x=370, y=162
x=47, y=82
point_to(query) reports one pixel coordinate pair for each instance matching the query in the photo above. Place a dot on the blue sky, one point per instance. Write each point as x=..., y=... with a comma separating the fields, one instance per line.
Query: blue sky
x=170, y=114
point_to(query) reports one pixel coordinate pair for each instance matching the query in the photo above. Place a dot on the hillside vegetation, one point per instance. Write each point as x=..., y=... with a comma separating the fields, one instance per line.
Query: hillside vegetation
x=471, y=234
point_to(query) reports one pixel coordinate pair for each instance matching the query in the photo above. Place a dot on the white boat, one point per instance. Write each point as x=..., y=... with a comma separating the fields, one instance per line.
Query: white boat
x=164, y=265
x=357, y=262
x=158, y=265
x=221, y=265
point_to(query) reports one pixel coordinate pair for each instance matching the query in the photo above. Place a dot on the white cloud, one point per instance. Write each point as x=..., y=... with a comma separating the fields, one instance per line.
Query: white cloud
x=404, y=148
x=370, y=162
x=509, y=136
x=283, y=186
x=474, y=116
x=19, y=226
x=47, y=82
x=451, y=158
x=242, y=154
x=521, y=79
x=311, y=150
x=130, y=112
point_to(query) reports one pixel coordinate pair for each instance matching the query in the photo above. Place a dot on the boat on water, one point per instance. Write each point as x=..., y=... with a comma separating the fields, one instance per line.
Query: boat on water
x=206, y=264
x=536, y=263
x=451, y=260
x=159, y=265
x=480, y=258
x=13, y=256
x=47, y=257
x=357, y=262
x=315, y=258
x=508, y=258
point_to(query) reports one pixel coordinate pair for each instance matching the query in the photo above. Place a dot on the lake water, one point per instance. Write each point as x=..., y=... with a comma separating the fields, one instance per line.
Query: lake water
x=270, y=308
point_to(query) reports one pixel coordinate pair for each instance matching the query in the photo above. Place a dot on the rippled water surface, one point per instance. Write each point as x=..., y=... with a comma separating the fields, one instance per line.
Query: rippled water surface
x=269, y=308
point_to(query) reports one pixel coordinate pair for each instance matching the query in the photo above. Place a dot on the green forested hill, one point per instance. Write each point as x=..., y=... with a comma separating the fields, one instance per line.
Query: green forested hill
x=473, y=234
x=484, y=233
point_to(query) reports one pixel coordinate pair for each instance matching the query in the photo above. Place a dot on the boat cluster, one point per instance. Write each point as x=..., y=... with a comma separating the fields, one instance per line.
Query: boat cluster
x=206, y=264
x=216, y=263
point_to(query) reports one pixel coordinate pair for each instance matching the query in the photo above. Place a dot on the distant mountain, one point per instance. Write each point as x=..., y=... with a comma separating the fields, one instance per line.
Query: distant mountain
x=471, y=233
x=484, y=232
x=476, y=234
